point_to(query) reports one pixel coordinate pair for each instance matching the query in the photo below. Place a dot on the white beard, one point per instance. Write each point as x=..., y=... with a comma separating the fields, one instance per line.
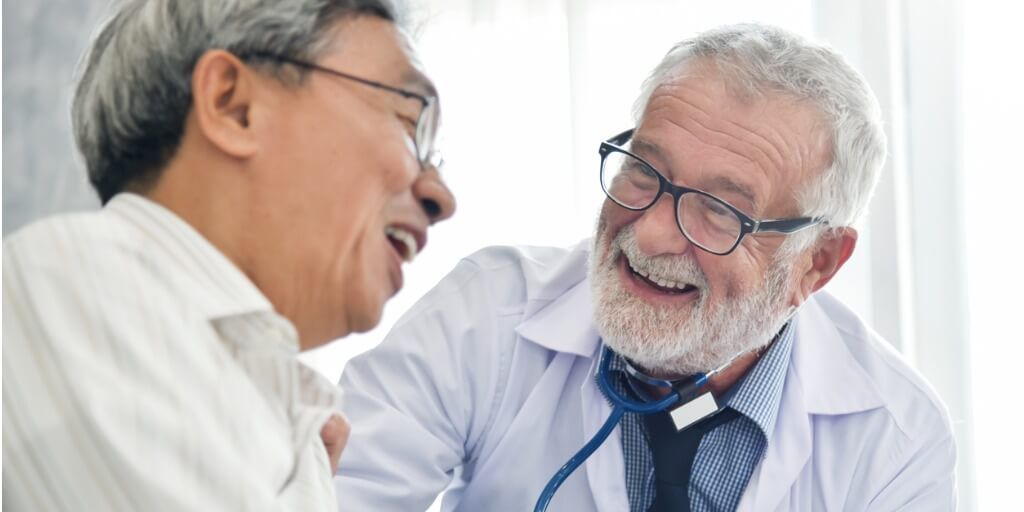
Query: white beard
x=675, y=342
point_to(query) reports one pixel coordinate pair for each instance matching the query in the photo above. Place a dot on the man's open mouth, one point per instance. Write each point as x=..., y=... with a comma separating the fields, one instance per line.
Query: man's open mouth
x=661, y=284
x=403, y=241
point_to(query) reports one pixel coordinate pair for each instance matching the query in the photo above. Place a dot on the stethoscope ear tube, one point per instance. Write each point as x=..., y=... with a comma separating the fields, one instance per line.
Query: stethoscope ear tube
x=625, y=403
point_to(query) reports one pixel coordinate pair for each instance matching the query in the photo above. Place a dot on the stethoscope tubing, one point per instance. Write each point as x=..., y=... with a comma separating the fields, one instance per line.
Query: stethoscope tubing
x=620, y=405
x=577, y=460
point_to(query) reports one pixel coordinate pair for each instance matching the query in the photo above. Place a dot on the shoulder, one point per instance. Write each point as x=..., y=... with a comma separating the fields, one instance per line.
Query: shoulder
x=890, y=439
x=64, y=228
x=908, y=398
x=83, y=269
x=505, y=278
x=69, y=251
x=70, y=241
x=467, y=323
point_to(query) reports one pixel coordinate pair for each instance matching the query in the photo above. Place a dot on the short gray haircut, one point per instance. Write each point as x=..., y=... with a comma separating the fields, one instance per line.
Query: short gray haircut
x=757, y=59
x=130, y=104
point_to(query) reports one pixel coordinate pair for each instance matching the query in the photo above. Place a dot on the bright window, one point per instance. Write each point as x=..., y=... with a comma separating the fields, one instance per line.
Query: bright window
x=993, y=183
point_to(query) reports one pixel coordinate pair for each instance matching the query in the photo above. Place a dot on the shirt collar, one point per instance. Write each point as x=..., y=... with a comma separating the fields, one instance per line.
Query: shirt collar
x=758, y=394
x=198, y=270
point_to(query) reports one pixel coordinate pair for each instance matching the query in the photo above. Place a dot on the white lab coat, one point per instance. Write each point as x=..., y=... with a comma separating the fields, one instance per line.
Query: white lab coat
x=486, y=387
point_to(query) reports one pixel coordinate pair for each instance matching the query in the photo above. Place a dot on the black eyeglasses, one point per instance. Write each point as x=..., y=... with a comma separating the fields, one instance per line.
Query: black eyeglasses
x=425, y=138
x=705, y=220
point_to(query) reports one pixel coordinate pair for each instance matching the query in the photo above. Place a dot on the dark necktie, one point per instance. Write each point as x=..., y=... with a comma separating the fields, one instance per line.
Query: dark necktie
x=673, y=452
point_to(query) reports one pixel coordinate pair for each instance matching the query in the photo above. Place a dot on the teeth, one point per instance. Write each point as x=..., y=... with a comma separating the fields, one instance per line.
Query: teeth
x=638, y=271
x=660, y=281
x=406, y=239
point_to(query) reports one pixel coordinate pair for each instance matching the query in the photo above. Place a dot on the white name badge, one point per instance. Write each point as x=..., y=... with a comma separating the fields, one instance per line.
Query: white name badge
x=693, y=411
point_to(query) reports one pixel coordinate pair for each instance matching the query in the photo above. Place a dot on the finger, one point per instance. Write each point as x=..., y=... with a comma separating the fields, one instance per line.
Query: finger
x=335, y=434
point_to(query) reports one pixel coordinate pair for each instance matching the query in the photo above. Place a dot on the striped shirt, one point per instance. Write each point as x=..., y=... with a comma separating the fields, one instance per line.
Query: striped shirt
x=727, y=455
x=143, y=371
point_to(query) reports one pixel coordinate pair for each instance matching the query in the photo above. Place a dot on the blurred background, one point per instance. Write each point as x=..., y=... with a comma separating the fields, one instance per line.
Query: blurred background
x=529, y=88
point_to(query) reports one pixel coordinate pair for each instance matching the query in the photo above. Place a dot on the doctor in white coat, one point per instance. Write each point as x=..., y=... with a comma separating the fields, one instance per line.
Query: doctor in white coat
x=729, y=207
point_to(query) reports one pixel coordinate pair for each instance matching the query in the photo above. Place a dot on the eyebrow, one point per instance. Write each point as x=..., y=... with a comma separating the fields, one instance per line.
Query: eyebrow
x=644, y=147
x=639, y=146
x=722, y=182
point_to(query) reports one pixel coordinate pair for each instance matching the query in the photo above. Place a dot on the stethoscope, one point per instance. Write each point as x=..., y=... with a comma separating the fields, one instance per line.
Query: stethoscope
x=683, y=392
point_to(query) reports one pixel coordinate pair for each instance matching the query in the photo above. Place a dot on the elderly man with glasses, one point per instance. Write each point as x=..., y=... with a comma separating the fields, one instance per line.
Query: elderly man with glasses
x=730, y=204
x=266, y=169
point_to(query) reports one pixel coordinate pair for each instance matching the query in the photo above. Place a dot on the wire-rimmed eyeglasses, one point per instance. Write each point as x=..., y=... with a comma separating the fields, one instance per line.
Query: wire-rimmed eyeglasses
x=425, y=138
x=705, y=220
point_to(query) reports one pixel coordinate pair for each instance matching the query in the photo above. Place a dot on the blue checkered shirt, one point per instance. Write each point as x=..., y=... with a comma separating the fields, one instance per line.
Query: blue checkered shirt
x=728, y=454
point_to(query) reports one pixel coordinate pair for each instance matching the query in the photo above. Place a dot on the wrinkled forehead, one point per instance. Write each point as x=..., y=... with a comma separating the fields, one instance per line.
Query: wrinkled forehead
x=761, y=144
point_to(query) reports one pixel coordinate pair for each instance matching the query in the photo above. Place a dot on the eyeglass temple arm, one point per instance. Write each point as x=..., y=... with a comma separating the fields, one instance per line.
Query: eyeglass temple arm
x=621, y=138
x=425, y=100
x=786, y=225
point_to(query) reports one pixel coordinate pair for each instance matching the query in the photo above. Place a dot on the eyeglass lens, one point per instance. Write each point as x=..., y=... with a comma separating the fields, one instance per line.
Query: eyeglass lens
x=704, y=220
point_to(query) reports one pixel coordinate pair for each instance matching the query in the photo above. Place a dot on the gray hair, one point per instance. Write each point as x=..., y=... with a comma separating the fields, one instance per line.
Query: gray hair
x=134, y=93
x=756, y=59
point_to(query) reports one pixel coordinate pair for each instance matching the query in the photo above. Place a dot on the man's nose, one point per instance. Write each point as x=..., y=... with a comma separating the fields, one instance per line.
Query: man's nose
x=657, y=232
x=434, y=196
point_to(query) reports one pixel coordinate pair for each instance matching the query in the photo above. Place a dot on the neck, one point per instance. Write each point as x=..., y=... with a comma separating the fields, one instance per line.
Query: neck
x=207, y=202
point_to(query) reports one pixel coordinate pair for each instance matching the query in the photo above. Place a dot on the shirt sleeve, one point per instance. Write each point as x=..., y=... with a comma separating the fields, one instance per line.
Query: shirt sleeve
x=100, y=407
x=420, y=402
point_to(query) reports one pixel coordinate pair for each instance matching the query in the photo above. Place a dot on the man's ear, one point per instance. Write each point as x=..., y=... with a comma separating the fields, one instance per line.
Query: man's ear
x=222, y=95
x=830, y=254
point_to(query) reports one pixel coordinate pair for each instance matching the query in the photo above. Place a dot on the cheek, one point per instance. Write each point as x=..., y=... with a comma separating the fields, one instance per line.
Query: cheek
x=390, y=169
x=608, y=226
x=731, y=277
x=613, y=218
x=367, y=185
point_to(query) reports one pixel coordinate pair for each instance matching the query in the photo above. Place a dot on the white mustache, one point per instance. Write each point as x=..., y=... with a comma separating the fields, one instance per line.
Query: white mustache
x=680, y=269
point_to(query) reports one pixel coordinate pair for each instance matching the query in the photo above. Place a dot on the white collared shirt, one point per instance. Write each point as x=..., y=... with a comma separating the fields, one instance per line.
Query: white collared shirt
x=142, y=370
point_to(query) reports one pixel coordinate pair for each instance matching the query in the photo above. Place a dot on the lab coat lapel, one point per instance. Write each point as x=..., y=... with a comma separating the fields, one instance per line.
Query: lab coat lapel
x=565, y=324
x=789, y=448
x=823, y=378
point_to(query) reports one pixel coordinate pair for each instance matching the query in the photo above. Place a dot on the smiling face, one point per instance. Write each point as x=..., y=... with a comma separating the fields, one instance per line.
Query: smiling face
x=669, y=306
x=341, y=200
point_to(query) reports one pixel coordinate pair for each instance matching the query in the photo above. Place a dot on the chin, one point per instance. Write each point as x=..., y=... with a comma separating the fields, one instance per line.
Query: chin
x=365, y=318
